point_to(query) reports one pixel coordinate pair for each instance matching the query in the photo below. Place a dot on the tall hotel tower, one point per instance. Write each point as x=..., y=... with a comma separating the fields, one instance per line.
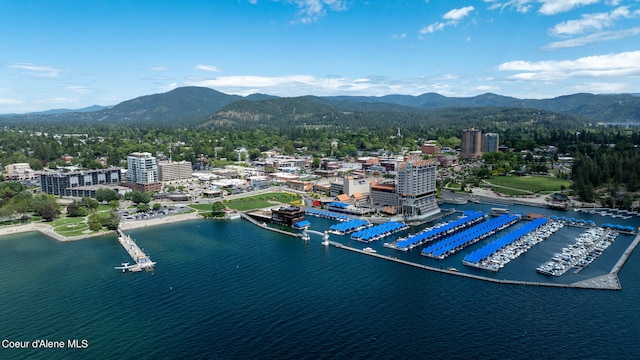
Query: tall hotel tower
x=471, y=147
x=416, y=188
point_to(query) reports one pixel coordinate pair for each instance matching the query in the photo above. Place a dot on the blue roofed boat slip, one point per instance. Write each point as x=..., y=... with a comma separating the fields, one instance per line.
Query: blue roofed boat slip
x=470, y=236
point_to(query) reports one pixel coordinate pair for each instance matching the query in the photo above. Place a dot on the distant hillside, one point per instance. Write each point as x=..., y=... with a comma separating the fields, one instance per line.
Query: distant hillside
x=190, y=106
x=314, y=111
x=181, y=106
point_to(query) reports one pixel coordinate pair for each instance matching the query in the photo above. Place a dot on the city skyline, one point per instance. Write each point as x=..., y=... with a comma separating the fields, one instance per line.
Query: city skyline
x=77, y=54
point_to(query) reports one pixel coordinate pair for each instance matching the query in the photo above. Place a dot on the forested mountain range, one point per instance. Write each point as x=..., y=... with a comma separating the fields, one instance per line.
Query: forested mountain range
x=197, y=106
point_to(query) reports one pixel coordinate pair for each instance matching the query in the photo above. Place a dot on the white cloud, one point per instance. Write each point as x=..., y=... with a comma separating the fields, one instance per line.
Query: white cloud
x=298, y=85
x=552, y=7
x=458, y=14
x=57, y=101
x=78, y=88
x=312, y=10
x=430, y=29
x=547, y=7
x=592, y=38
x=602, y=87
x=40, y=71
x=159, y=68
x=591, y=22
x=617, y=65
x=210, y=68
x=521, y=6
x=453, y=17
x=399, y=36
x=10, y=102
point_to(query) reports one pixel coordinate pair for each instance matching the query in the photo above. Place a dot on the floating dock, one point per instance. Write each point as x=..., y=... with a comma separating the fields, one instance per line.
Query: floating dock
x=141, y=260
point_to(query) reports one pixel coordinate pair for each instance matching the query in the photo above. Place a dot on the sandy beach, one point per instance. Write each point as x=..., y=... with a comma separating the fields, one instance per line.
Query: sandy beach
x=136, y=224
x=47, y=229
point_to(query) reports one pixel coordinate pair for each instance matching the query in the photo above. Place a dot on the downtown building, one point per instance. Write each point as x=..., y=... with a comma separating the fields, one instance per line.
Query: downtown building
x=491, y=142
x=79, y=183
x=413, y=195
x=471, y=147
x=174, y=171
x=416, y=188
x=142, y=173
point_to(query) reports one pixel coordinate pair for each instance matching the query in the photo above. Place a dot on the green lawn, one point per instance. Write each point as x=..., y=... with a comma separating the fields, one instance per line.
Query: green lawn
x=538, y=184
x=72, y=226
x=253, y=202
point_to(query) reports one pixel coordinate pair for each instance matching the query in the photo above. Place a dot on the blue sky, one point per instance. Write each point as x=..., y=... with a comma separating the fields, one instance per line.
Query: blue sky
x=76, y=53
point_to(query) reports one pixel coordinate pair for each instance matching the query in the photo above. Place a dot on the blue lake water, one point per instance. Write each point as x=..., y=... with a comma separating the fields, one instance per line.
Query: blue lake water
x=230, y=290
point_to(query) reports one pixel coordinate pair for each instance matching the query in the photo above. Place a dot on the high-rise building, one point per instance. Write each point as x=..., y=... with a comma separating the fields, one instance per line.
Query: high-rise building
x=491, y=142
x=471, y=147
x=416, y=188
x=142, y=173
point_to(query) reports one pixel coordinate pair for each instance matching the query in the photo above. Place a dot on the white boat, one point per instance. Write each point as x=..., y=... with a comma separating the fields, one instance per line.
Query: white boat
x=369, y=250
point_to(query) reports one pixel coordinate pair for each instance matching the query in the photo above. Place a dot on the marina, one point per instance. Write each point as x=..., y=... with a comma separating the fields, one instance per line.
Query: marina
x=438, y=231
x=349, y=226
x=379, y=231
x=587, y=247
x=470, y=236
x=500, y=252
x=531, y=229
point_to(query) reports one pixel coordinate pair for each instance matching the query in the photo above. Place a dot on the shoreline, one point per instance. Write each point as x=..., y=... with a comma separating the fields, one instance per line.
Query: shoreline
x=47, y=229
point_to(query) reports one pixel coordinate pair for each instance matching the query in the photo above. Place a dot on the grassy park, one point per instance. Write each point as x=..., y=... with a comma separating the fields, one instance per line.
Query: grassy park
x=254, y=202
x=523, y=185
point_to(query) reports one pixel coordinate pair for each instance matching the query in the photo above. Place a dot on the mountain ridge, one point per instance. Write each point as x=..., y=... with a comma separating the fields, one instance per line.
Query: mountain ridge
x=197, y=105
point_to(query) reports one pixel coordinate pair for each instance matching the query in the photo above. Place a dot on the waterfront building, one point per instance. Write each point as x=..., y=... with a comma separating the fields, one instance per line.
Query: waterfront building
x=142, y=173
x=79, y=183
x=416, y=188
x=174, y=171
x=491, y=142
x=471, y=147
x=287, y=216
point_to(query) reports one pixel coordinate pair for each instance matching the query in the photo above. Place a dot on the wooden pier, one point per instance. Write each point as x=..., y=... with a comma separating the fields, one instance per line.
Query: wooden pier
x=141, y=260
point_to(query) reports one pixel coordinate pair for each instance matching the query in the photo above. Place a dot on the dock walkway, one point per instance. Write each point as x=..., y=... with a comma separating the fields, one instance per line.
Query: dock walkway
x=142, y=260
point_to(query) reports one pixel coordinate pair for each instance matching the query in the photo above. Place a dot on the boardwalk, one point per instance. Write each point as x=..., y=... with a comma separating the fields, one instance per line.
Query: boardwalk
x=141, y=260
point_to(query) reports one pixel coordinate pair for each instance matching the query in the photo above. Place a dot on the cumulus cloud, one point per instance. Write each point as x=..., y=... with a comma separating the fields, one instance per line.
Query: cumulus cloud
x=210, y=68
x=610, y=65
x=40, y=71
x=591, y=22
x=453, y=17
x=592, y=38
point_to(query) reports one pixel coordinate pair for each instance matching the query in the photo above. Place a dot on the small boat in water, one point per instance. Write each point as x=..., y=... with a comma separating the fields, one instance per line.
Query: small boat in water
x=452, y=269
x=369, y=250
